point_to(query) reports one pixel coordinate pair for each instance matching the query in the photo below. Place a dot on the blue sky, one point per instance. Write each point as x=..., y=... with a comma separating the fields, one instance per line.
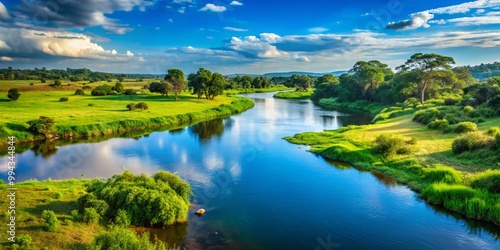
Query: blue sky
x=246, y=36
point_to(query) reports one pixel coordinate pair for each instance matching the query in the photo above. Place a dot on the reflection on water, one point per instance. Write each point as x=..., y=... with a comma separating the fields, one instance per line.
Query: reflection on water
x=261, y=192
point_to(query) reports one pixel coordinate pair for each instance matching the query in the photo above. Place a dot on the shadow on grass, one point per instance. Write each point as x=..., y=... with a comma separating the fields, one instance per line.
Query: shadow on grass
x=4, y=100
x=15, y=127
x=59, y=207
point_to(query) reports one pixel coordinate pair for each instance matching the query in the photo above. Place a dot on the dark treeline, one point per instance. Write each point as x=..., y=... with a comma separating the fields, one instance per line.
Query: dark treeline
x=422, y=77
x=484, y=71
x=57, y=74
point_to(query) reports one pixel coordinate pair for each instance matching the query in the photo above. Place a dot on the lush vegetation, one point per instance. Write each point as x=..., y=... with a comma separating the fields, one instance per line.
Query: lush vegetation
x=293, y=95
x=96, y=214
x=436, y=130
x=485, y=70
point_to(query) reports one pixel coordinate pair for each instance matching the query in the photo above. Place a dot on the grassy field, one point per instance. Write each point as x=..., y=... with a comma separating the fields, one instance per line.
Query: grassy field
x=32, y=197
x=431, y=153
x=294, y=95
x=96, y=115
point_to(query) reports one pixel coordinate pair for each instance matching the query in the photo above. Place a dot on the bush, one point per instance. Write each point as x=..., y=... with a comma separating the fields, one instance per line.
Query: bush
x=102, y=90
x=50, y=220
x=13, y=94
x=58, y=195
x=122, y=238
x=122, y=218
x=426, y=116
x=118, y=87
x=63, y=99
x=467, y=109
x=24, y=241
x=68, y=223
x=79, y=92
x=439, y=124
x=86, y=87
x=130, y=92
x=145, y=87
x=464, y=127
x=42, y=126
x=131, y=106
x=141, y=105
x=443, y=174
x=90, y=216
x=450, y=101
x=57, y=83
x=493, y=131
x=489, y=180
x=471, y=141
x=75, y=215
x=389, y=144
x=89, y=200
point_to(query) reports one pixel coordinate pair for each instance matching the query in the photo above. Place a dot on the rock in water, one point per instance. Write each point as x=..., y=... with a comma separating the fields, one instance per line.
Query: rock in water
x=200, y=212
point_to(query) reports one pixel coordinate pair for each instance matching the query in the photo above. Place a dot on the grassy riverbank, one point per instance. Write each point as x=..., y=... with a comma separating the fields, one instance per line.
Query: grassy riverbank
x=73, y=231
x=301, y=95
x=87, y=116
x=458, y=182
x=275, y=88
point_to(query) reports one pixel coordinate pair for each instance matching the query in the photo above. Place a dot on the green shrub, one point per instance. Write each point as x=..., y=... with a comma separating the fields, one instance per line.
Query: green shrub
x=443, y=174
x=450, y=101
x=471, y=141
x=124, y=239
x=79, y=92
x=389, y=144
x=131, y=106
x=63, y=99
x=68, y=222
x=57, y=83
x=464, y=127
x=489, y=180
x=89, y=200
x=13, y=94
x=58, y=195
x=51, y=223
x=493, y=131
x=42, y=126
x=473, y=114
x=141, y=105
x=102, y=90
x=87, y=87
x=130, y=92
x=467, y=109
x=24, y=240
x=439, y=124
x=90, y=216
x=47, y=199
x=122, y=218
x=438, y=193
x=426, y=116
x=75, y=215
x=118, y=87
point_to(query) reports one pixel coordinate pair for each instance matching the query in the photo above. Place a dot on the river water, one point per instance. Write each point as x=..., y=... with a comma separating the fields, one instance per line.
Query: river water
x=261, y=192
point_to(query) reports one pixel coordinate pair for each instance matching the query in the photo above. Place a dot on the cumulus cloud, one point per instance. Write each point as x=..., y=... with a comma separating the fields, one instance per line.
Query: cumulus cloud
x=417, y=20
x=213, y=7
x=235, y=29
x=74, y=14
x=236, y=3
x=254, y=47
x=4, y=13
x=318, y=30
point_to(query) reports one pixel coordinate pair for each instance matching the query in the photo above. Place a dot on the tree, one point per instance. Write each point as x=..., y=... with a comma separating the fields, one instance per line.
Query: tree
x=216, y=86
x=302, y=83
x=13, y=94
x=328, y=78
x=118, y=87
x=426, y=67
x=369, y=76
x=199, y=82
x=163, y=88
x=121, y=77
x=177, y=79
x=43, y=126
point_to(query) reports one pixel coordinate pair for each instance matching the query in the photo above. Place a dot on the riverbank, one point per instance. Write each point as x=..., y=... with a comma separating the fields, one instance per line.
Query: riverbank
x=91, y=116
x=299, y=95
x=72, y=230
x=429, y=167
x=332, y=103
x=232, y=92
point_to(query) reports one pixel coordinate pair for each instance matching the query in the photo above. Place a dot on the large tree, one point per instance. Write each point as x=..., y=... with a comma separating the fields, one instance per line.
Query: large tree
x=428, y=68
x=369, y=76
x=216, y=86
x=177, y=79
x=163, y=88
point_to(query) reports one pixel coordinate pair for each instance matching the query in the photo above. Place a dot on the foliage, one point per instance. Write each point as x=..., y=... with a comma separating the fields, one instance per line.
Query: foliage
x=79, y=92
x=140, y=106
x=63, y=99
x=91, y=216
x=493, y=131
x=130, y=92
x=51, y=223
x=42, y=126
x=390, y=144
x=489, y=180
x=165, y=196
x=440, y=173
x=160, y=87
x=440, y=124
x=471, y=141
x=13, y=94
x=118, y=87
x=204, y=82
x=24, y=240
x=464, y=127
x=122, y=218
x=102, y=90
x=176, y=78
x=57, y=83
x=125, y=239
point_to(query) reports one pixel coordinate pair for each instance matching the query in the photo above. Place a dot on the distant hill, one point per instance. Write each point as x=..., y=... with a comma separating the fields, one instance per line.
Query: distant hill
x=485, y=70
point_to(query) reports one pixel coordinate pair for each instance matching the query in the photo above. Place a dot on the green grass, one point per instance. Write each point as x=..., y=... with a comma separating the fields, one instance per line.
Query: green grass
x=252, y=90
x=294, y=95
x=458, y=182
x=96, y=115
x=371, y=107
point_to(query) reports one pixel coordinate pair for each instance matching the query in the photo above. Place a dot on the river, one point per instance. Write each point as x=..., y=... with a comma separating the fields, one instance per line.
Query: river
x=261, y=192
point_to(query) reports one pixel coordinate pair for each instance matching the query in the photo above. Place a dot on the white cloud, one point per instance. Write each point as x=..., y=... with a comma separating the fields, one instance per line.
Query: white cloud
x=4, y=13
x=171, y=20
x=366, y=14
x=465, y=7
x=129, y=53
x=213, y=7
x=236, y=3
x=235, y=29
x=318, y=30
x=270, y=37
x=182, y=1
x=476, y=20
x=4, y=46
x=6, y=59
x=417, y=20
x=441, y=21
x=480, y=11
x=253, y=47
x=182, y=10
